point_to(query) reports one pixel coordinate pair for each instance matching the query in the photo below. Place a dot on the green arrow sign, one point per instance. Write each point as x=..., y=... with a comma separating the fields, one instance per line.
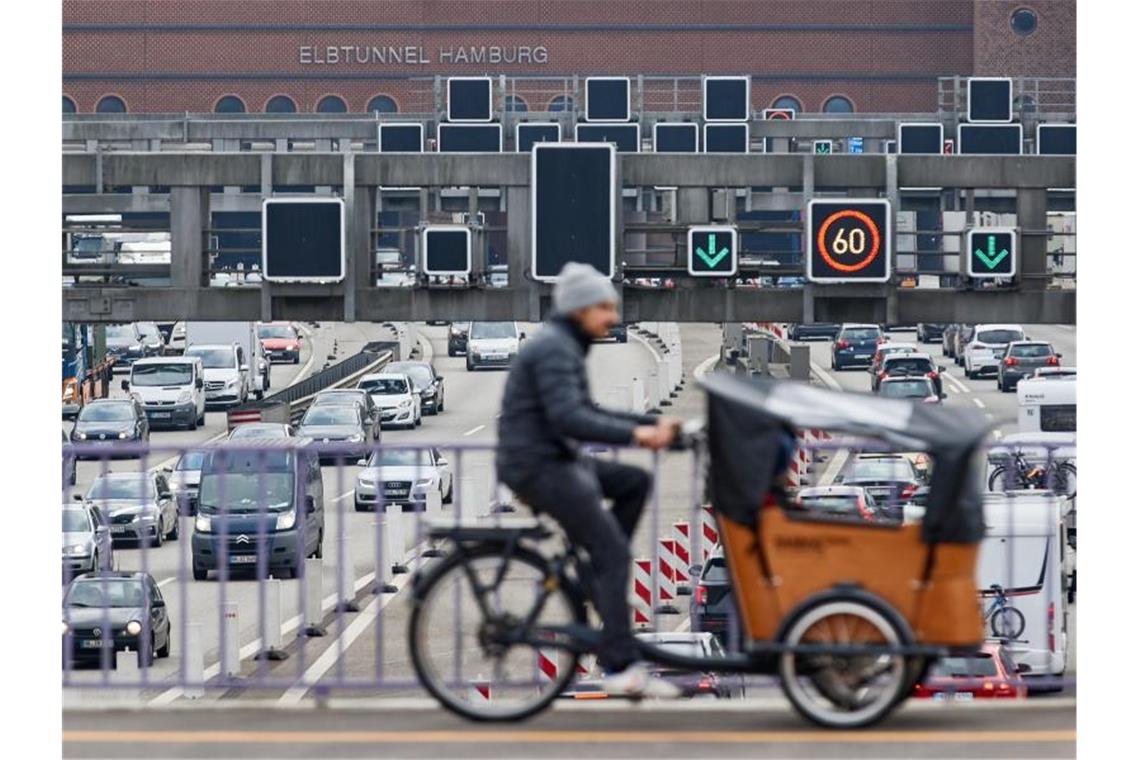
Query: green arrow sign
x=712, y=256
x=991, y=257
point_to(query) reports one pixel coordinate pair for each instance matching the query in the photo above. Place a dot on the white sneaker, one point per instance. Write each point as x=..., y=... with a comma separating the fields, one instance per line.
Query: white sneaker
x=635, y=681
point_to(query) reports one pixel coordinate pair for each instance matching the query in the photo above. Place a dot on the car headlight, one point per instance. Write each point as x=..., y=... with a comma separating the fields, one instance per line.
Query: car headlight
x=203, y=524
x=184, y=397
x=355, y=438
x=123, y=436
x=406, y=403
x=421, y=482
x=76, y=550
x=81, y=436
x=231, y=382
x=66, y=628
x=286, y=521
x=365, y=483
x=134, y=628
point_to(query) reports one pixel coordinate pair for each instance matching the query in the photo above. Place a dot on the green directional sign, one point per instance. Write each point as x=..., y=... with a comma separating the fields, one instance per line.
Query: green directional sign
x=712, y=251
x=991, y=252
x=822, y=147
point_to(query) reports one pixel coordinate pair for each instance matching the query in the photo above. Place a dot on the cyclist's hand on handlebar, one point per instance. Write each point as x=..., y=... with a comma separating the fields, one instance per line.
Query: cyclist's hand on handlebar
x=653, y=436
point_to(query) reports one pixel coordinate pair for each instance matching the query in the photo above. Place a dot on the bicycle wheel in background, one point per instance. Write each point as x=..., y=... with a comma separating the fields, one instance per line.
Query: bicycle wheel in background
x=456, y=651
x=1007, y=623
x=1065, y=481
x=997, y=480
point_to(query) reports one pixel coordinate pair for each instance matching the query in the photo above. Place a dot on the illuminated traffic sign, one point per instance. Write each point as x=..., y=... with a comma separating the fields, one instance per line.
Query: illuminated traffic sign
x=572, y=203
x=920, y=138
x=854, y=144
x=607, y=98
x=446, y=250
x=712, y=251
x=991, y=252
x=527, y=133
x=849, y=240
x=779, y=114
x=989, y=99
x=302, y=239
x=948, y=146
x=821, y=147
x=401, y=138
x=469, y=99
x=727, y=98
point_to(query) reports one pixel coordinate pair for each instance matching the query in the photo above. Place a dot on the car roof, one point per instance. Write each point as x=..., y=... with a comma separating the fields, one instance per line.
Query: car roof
x=907, y=355
x=999, y=326
x=130, y=475
x=105, y=401
x=847, y=325
x=269, y=443
x=835, y=490
x=1030, y=343
x=332, y=391
x=384, y=376
x=169, y=360
x=902, y=346
x=905, y=379
x=113, y=574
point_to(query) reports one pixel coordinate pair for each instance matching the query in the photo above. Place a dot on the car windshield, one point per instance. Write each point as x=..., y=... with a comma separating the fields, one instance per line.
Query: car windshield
x=276, y=331
x=175, y=373
x=844, y=504
x=399, y=457
x=258, y=431
x=246, y=491
x=860, y=334
x=716, y=571
x=492, y=330
x=889, y=349
x=75, y=521
x=116, y=412
x=905, y=364
x=106, y=592
x=1032, y=351
x=998, y=336
x=908, y=389
x=134, y=489
x=880, y=469
x=191, y=460
x=420, y=374
x=214, y=358
x=120, y=331
x=337, y=398
x=978, y=666
x=384, y=385
x=331, y=415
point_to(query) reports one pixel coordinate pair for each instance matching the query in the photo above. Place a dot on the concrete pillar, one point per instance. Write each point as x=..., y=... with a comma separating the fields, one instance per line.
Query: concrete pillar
x=519, y=245
x=800, y=362
x=189, y=218
x=692, y=208
x=1031, y=208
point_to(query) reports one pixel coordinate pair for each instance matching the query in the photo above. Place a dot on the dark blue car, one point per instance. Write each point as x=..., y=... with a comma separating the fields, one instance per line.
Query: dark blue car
x=855, y=346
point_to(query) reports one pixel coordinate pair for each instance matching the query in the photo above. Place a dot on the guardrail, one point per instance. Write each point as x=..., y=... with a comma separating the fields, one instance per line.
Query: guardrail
x=271, y=629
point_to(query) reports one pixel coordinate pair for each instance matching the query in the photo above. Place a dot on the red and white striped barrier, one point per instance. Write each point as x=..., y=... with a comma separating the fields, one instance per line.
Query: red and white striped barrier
x=666, y=583
x=678, y=564
x=548, y=666
x=641, y=600
x=710, y=537
x=682, y=551
x=479, y=690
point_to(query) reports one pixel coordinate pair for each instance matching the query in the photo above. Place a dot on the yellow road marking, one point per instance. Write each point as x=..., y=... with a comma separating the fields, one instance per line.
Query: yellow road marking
x=563, y=737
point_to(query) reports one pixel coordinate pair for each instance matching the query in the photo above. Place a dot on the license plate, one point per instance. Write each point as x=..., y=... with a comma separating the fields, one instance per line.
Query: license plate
x=243, y=559
x=94, y=643
x=395, y=492
x=495, y=357
x=118, y=528
x=862, y=356
x=957, y=696
x=160, y=415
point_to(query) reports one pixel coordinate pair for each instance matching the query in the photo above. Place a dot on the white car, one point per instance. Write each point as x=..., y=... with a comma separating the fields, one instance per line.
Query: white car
x=403, y=476
x=492, y=344
x=985, y=349
x=395, y=395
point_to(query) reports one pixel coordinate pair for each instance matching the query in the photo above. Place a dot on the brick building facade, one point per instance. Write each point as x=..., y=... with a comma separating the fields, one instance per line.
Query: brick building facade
x=869, y=56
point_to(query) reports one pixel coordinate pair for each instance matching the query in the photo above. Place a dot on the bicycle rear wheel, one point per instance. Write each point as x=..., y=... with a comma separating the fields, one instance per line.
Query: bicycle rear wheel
x=1007, y=623
x=458, y=653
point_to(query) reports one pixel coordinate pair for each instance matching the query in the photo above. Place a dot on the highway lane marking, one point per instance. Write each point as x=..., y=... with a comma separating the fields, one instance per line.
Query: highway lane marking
x=980, y=404
x=956, y=383
x=474, y=430
x=702, y=369
x=585, y=735
x=164, y=581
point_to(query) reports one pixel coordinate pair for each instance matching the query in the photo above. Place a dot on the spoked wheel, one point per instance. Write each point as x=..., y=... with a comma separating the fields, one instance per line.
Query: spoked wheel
x=1007, y=623
x=463, y=658
x=845, y=690
x=1064, y=481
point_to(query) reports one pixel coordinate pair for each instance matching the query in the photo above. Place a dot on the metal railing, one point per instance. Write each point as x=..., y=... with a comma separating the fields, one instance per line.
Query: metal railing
x=243, y=598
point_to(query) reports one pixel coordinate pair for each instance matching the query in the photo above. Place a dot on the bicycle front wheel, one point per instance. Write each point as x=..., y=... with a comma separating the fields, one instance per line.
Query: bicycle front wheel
x=1007, y=623
x=456, y=641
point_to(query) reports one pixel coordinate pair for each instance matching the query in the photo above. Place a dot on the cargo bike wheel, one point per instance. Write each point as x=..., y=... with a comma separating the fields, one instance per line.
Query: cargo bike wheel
x=833, y=686
x=468, y=615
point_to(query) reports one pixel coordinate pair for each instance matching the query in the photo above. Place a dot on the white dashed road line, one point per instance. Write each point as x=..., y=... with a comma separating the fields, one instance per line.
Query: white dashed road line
x=980, y=404
x=474, y=430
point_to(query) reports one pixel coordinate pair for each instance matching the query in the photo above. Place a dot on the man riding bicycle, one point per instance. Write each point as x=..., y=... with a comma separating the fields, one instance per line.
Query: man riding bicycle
x=547, y=412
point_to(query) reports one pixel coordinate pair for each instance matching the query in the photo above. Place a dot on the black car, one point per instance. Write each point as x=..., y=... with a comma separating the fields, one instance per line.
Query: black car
x=457, y=338
x=369, y=411
x=814, y=331
x=714, y=602
x=109, y=422
x=124, y=344
x=68, y=464
x=890, y=479
x=929, y=332
x=855, y=346
x=110, y=612
x=950, y=339
x=139, y=505
x=425, y=381
x=904, y=365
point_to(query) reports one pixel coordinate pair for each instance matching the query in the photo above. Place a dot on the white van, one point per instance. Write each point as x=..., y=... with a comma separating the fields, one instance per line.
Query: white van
x=1047, y=404
x=492, y=344
x=226, y=371
x=244, y=334
x=1025, y=554
x=171, y=390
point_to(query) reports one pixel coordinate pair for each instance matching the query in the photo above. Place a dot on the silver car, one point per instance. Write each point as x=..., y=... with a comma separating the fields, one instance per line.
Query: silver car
x=139, y=506
x=403, y=476
x=86, y=540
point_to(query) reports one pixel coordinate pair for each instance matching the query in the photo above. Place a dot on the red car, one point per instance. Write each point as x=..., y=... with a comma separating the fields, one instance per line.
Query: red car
x=280, y=341
x=988, y=674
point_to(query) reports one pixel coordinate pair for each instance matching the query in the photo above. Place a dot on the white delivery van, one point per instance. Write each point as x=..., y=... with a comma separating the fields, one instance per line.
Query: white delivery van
x=244, y=334
x=226, y=372
x=1025, y=554
x=171, y=389
x=1047, y=404
x=492, y=344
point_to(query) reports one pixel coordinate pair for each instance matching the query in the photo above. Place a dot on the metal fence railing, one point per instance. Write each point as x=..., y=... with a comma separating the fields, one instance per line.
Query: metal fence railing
x=289, y=574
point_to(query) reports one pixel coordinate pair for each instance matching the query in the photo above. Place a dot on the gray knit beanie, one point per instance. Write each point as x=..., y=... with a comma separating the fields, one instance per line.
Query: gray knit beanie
x=580, y=285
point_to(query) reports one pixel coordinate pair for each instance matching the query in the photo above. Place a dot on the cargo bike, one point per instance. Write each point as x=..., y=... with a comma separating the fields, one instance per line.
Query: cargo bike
x=847, y=615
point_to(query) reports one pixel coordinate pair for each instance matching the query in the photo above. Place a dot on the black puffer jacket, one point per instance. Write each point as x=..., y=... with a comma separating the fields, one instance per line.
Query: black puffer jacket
x=547, y=409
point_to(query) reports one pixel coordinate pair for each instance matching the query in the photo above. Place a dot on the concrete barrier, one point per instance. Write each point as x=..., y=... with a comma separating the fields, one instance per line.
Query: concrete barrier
x=271, y=641
x=313, y=581
x=231, y=647
x=194, y=662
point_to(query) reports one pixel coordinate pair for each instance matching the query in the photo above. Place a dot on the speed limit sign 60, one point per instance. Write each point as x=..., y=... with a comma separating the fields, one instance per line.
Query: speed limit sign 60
x=849, y=241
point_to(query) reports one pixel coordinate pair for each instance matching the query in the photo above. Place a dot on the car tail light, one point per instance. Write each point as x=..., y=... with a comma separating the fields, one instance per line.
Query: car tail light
x=1004, y=690
x=1010, y=361
x=1052, y=361
x=932, y=375
x=907, y=491
x=704, y=683
x=882, y=374
x=702, y=594
x=1052, y=636
x=842, y=344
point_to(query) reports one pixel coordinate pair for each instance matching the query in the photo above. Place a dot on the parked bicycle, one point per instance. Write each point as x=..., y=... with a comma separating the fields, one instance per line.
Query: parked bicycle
x=1058, y=476
x=1005, y=620
x=848, y=615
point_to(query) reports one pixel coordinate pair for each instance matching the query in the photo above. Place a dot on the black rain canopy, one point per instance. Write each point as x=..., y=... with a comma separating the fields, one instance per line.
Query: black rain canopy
x=752, y=424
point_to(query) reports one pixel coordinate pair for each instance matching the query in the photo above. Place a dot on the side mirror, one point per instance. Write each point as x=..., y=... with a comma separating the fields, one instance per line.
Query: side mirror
x=1058, y=355
x=158, y=603
x=198, y=384
x=441, y=462
x=310, y=504
x=1023, y=667
x=361, y=462
x=941, y=368
x=77, y=497
x=522, y=336
x=125, y=385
